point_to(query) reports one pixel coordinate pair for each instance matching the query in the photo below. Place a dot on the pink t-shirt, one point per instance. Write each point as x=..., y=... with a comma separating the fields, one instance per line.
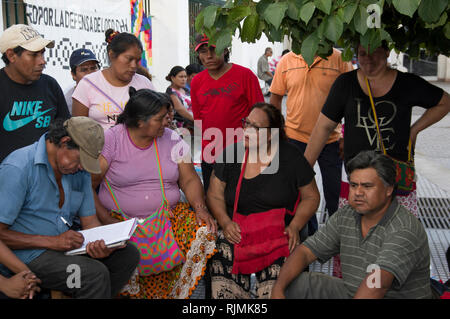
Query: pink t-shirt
x=133, y=171
x=101, y=108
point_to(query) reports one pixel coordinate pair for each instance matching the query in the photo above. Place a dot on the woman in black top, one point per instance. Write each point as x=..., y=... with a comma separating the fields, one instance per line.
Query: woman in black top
x=274, y=172
x=394, y=94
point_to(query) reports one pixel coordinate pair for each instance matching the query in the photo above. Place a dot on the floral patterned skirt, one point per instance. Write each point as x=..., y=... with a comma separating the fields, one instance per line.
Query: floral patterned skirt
x=225, y=285
x=197, y=244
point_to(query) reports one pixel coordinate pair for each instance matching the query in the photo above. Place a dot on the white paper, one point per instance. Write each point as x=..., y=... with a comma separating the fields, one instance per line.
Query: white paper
x=111, y=234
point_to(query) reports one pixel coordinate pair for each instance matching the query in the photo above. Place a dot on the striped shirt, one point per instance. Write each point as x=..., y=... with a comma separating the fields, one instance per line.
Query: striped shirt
x=397, y=244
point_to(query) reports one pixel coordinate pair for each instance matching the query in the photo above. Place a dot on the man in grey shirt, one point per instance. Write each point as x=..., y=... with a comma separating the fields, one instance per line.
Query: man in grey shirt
x=383, y=247
x=263, y=67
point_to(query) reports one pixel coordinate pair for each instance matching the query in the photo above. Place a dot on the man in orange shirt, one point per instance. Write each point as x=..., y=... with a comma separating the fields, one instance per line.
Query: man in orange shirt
x=307, y=89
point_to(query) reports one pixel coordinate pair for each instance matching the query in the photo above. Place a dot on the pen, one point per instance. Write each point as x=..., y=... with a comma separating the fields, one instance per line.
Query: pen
x=65, y=221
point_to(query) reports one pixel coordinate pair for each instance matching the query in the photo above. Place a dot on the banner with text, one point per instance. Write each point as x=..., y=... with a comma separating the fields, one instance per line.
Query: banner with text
x=73, y=25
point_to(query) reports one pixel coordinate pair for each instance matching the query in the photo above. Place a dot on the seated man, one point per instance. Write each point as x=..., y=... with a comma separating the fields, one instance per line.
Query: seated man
x=384, y=248
x=43, y=186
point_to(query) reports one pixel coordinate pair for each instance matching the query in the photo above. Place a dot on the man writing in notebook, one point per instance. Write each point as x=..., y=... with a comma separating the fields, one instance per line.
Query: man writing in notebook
x=42, y=188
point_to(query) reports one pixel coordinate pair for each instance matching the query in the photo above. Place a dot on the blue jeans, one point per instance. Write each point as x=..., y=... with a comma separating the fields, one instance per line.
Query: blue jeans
x=330, y=165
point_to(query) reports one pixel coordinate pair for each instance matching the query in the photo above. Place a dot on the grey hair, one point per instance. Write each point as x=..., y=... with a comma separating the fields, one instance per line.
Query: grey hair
x=383, y=165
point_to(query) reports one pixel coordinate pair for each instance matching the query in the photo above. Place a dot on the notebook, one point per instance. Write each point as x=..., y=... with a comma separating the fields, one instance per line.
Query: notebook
x=114, y=235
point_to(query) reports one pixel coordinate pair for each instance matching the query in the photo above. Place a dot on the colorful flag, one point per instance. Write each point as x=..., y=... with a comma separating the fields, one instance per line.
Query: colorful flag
x=141, y=27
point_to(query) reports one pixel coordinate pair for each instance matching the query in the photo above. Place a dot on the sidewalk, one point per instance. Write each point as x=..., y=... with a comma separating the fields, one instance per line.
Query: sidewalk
x=432, y=159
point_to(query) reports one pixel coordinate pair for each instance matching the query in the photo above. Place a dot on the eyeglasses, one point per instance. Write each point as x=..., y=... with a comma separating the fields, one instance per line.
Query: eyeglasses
x=87, y=69
x=246, y=123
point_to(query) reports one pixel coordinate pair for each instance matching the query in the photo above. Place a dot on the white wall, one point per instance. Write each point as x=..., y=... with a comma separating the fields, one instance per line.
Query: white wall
x=170, y=43
x=443, y=68
x=247, y=54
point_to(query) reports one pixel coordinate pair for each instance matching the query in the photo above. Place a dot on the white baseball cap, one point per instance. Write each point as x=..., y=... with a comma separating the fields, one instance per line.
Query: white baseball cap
x=24, y=36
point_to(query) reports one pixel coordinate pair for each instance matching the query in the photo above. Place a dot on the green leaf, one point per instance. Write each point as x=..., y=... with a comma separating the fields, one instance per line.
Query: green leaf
x=324, y=5
x=274, y=35
x=222, y=21
x=293, y=10
x=275, y=13
x=296, y=33
x=325, y=49
x=406, y=7
x=429, y=28
x=239, y=13
x=447, y=30
x=340, y=14
x=321, y=28
x=250, y=28
x=210, y=13
x=262, y=26
x=334, y=28
x=228, y=4
x=306, y=11
x=431, y=10
x=347, y=54
x=223, y=41
x=385, y=36
x=439, y=23
x=262, y=5
x=371, y=40
x=360, y=20
x=309, y=48
x=296, y=46
x=349, y=12
x=199, y=21
x=413, y=50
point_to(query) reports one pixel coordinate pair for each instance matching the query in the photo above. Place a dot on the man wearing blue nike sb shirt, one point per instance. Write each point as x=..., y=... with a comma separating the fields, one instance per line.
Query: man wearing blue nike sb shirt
x=30, y=100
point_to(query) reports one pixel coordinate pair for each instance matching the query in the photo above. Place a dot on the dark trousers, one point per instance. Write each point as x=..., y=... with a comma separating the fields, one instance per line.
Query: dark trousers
x=207, y=170
x=99, y=278
x=330, y=165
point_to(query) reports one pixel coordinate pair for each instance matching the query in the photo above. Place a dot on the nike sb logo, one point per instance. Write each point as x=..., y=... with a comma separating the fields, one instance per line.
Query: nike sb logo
x=29, y=111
